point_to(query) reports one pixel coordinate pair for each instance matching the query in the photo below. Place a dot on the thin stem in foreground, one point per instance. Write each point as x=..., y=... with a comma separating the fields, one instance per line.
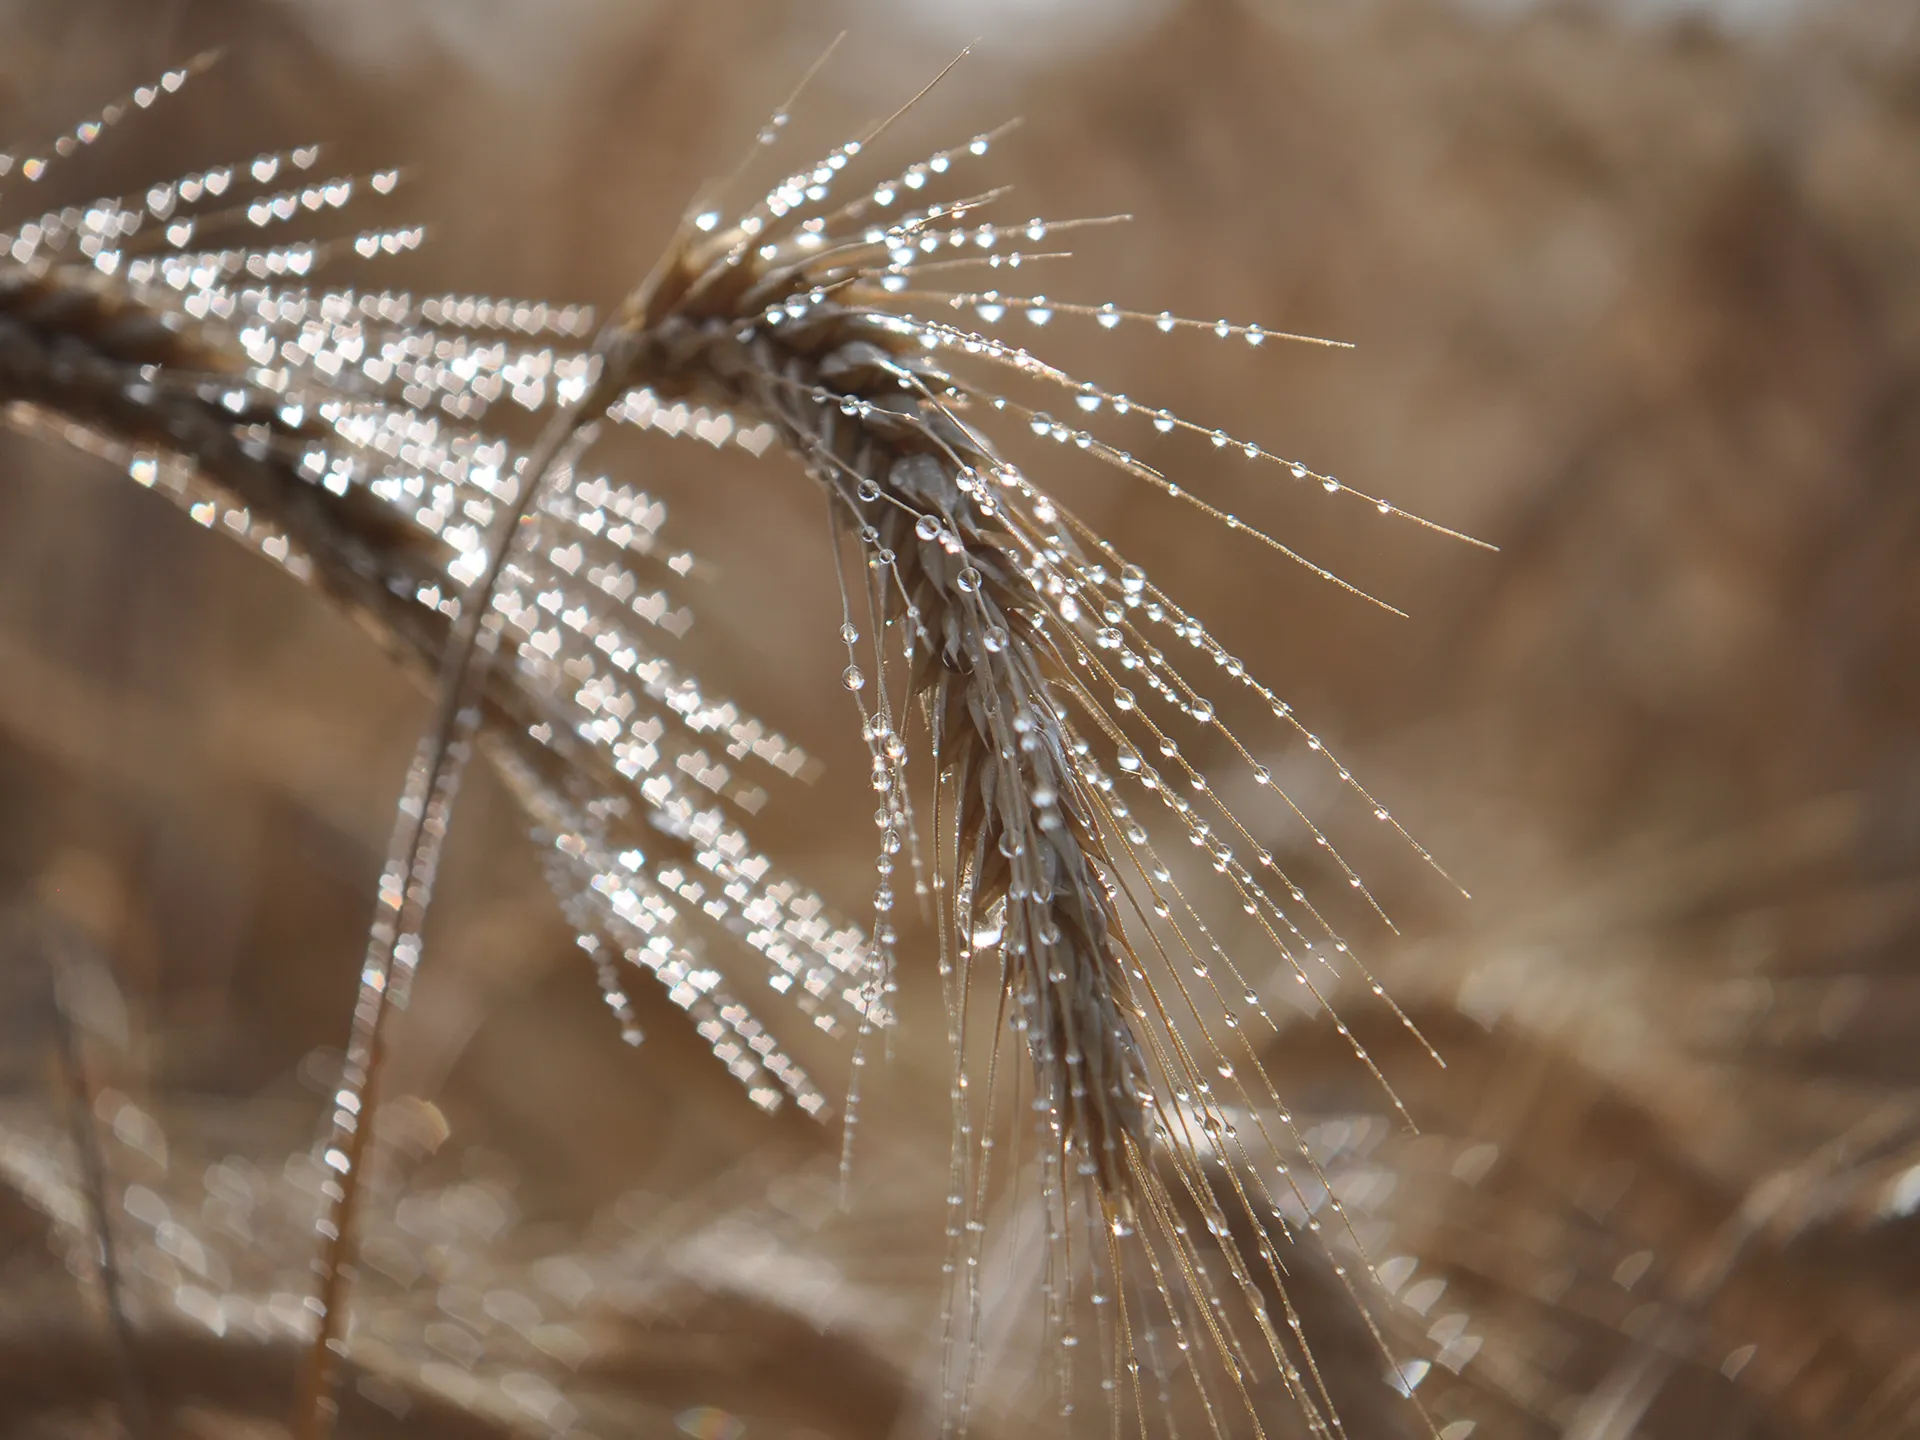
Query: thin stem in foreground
x=393, y=949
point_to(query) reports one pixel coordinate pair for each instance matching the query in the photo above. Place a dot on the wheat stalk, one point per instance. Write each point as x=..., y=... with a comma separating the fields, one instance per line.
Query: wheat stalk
x=999, y=605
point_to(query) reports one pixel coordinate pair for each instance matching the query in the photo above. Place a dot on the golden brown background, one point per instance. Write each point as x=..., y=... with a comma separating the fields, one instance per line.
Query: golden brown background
x=1636, y=297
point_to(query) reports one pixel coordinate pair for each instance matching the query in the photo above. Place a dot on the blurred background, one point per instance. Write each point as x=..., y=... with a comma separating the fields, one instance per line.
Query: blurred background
x=1635, y=291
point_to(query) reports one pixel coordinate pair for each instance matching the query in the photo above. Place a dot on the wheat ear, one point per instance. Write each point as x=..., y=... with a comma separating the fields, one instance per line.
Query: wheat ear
x=1008, y=617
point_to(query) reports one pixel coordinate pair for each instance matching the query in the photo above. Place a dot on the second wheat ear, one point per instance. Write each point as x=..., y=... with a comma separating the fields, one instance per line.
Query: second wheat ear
x=987, y=620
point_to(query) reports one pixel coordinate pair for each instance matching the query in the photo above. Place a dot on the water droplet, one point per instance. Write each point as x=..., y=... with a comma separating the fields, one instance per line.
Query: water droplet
x=1255, y=335
x=1222, y=329
x=968, y=579
x=1163, y=422
x=852, y=678
x=1299, y=470
x=1329, y=484
x=1166, y=322
x=995, y=638
x=868, y=490
x=848, y=634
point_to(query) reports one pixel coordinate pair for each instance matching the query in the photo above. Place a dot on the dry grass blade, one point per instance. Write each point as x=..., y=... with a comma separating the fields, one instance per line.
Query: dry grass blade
x=393, y=953
x=79, y=1093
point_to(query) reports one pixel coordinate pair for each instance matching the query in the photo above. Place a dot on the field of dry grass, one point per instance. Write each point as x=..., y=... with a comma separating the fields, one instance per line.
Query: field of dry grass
x=1638, y=302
